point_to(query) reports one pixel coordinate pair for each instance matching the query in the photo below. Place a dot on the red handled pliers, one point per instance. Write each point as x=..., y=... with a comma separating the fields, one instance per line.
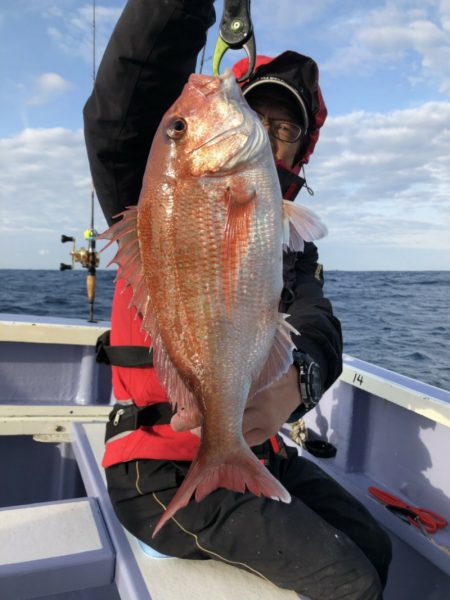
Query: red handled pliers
x=422, y=518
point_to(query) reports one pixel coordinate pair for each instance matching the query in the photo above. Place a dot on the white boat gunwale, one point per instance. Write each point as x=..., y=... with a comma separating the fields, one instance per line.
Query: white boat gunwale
x=423, y=399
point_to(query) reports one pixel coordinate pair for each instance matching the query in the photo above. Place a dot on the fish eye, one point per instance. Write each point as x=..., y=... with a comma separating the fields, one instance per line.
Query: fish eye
x=177, y=128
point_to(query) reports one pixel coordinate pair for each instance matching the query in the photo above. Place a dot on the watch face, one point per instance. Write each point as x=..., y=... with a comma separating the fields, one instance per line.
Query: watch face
x=314, y=382
x=310, y=380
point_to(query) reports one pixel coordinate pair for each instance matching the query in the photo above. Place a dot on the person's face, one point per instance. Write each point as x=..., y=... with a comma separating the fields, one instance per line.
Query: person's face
x=271, y=104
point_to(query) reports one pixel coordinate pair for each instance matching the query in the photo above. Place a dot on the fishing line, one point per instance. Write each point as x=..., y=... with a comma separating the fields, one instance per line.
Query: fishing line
x=440, y=547
x=94, y=69
x=202, y=60
x=88, y=258
x=91, y=234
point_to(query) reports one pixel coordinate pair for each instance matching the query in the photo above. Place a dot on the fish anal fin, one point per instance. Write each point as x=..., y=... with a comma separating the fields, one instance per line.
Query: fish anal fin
x=239, y=471
x=240, y=203
x=181, y=398
x=280, y=356
x=300, y=225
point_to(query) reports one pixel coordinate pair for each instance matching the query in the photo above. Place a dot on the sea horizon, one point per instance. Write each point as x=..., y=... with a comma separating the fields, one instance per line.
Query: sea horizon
x=398, y=320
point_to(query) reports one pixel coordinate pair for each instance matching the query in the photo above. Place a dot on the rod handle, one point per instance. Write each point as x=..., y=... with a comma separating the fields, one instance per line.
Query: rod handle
x=90, y=287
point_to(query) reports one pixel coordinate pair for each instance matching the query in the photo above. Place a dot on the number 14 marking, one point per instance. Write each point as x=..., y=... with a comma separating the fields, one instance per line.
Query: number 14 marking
x=358, y=378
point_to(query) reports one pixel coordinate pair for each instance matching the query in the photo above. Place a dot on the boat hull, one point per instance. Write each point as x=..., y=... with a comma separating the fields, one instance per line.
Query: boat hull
x=389, y=431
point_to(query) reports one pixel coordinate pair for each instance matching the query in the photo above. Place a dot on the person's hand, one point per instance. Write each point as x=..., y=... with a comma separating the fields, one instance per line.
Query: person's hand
x=264, y=414
x=183, y=421
x=268, y=410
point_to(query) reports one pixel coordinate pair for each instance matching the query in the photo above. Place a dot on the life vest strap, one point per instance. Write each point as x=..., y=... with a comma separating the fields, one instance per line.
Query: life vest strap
x=122, y=356
x=130, y=417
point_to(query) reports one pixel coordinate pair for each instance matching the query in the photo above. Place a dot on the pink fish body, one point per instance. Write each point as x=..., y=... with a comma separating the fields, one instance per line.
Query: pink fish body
x=203, y=254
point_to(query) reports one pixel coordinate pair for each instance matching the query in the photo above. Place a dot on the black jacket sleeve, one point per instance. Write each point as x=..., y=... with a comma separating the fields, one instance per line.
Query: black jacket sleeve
x=310, y=313
x=149, y=58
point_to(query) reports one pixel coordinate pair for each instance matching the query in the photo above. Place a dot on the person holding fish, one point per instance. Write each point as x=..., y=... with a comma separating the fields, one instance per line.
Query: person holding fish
x=218, y=275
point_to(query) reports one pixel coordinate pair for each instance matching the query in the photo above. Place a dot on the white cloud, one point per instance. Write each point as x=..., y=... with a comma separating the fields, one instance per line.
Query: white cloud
x=445, y=14
x=380, y=181
x=410, y=38
x=72, y=30
x=384, y=37
x=48, y=87
x=411, y=145
x=286, y=15
x=45, y=190
x=385, y=178
x=44, y=180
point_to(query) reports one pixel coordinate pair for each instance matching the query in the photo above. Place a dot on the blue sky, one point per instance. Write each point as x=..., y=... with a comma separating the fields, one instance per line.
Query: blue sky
x=381, y=170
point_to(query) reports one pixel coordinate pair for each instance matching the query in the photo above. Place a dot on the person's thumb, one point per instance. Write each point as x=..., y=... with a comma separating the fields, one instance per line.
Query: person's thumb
x=183, y=420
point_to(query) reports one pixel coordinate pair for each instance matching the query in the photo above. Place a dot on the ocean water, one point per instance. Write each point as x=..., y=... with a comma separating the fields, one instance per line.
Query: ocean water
x=399, y=320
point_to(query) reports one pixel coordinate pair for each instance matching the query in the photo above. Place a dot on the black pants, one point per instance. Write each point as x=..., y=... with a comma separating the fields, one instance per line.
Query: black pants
x=324, y=544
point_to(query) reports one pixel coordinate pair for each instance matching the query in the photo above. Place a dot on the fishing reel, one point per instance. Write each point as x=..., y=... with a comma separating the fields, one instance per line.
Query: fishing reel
x=87, y=257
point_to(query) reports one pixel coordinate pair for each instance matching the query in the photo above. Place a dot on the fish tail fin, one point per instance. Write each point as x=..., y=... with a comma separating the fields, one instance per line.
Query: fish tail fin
x=300, y=225
x=238, y=471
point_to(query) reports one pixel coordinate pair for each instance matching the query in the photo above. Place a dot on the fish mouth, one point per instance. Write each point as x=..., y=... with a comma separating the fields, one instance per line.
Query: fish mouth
x=249, y=128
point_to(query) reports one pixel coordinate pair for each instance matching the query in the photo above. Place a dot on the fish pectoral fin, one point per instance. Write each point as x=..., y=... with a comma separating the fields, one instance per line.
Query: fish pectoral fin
x=240, y=203
x=238, y=472
x=300, y=225
x=240, y=192
x=280, y=357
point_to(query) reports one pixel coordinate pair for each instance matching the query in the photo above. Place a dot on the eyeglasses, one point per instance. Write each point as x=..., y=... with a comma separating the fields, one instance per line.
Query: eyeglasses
x=282, y=130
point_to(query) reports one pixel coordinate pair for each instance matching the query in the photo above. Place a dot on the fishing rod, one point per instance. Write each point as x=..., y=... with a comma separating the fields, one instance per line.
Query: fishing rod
x=87, y=257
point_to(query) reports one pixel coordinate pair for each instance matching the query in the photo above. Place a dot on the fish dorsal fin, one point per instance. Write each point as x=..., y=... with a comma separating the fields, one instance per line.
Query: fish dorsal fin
x=280, y=357
x=300, y=225
x=240, y=204
x=128, y=258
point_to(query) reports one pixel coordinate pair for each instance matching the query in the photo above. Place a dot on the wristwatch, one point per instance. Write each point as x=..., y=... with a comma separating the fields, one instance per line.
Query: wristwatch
x=309, y=382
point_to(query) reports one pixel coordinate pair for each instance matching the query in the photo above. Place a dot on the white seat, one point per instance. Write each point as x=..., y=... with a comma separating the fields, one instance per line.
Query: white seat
x=141, y=577
x=52, y=548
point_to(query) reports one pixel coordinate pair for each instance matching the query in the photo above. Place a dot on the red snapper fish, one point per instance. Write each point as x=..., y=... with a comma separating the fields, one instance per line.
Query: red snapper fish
x=202, y=252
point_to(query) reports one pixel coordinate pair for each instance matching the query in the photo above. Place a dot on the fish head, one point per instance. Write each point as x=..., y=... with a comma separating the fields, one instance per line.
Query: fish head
x=210, y=129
